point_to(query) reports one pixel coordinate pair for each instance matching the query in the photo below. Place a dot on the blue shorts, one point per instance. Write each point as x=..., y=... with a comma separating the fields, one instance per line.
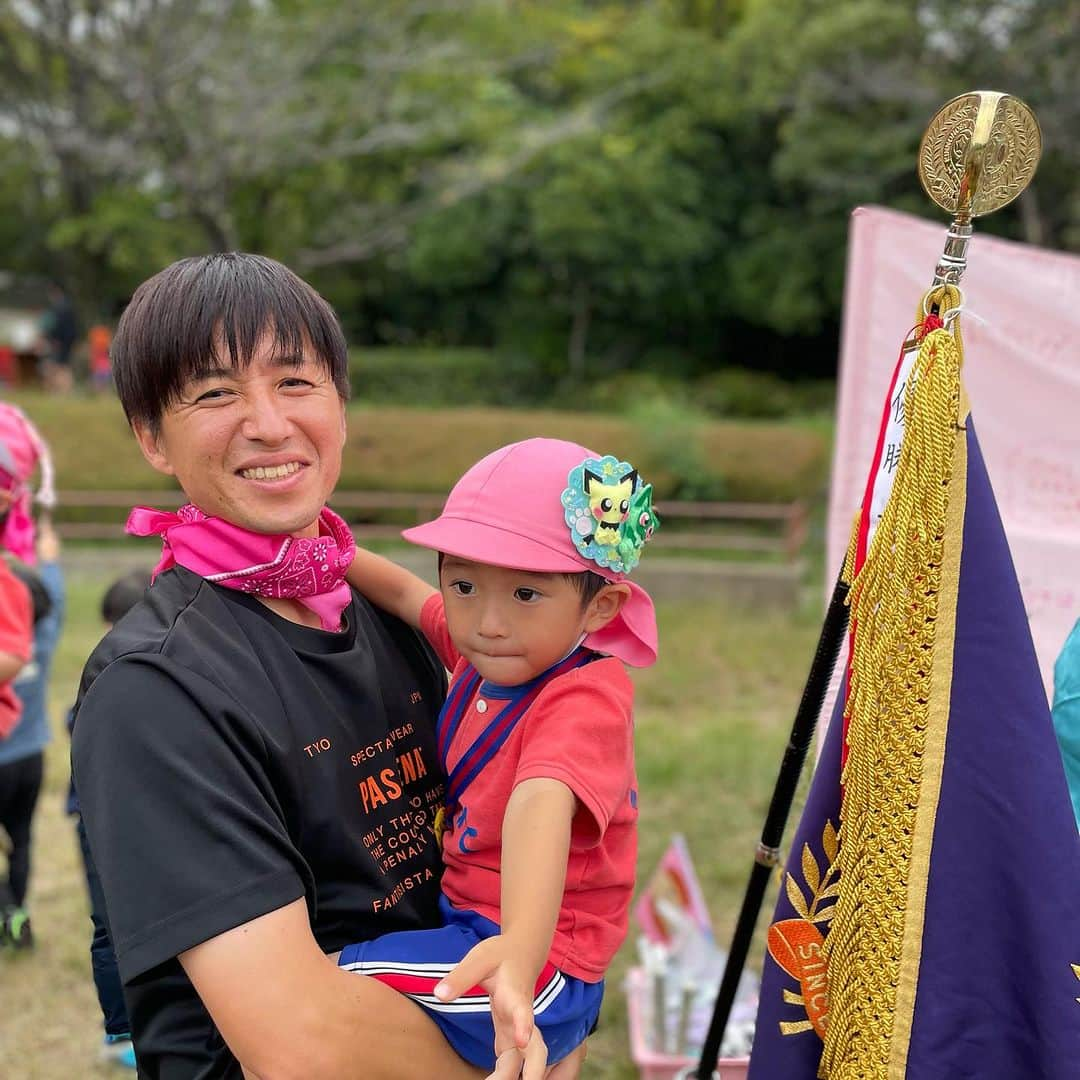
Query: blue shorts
x=413, y=962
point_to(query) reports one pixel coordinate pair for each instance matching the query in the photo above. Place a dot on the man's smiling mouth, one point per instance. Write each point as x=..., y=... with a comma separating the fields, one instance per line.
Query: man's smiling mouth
x=271, y=472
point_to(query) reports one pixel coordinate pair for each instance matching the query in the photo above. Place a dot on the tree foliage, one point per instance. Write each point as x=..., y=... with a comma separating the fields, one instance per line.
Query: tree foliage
x=592, y=185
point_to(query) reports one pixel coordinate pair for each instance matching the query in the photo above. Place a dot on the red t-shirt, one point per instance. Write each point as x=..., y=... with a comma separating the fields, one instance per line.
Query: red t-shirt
x=579, y=730
x=16, y=637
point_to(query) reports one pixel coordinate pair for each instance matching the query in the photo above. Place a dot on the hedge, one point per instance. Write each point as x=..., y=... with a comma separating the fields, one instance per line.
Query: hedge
x=393, y=448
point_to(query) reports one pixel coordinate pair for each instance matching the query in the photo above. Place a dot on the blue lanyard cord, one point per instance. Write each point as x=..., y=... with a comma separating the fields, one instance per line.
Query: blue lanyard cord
x=487, y=744
x=453, y=710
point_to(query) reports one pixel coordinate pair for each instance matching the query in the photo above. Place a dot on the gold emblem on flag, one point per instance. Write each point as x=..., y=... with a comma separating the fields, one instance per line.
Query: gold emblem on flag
x=798, y=945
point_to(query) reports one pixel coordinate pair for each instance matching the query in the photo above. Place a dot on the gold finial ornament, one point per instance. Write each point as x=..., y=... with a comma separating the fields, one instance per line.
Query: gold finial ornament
x=978, y=153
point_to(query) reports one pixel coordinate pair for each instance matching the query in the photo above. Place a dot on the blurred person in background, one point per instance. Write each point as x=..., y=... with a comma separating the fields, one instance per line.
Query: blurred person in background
x=8, y=365
x=16, y=645
x=120, y=597
x=1066, y=712
x=33, y=553
x=99, y=338
x=59, y=332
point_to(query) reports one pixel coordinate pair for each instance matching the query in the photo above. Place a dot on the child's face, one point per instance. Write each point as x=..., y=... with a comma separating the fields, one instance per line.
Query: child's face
x=511, y=625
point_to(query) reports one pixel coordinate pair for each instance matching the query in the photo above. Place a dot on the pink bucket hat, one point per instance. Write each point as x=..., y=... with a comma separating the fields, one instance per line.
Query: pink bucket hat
x=550, y=506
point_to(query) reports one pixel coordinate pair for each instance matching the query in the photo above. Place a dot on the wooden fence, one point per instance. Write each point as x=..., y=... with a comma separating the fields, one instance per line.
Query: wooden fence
x=770, y=530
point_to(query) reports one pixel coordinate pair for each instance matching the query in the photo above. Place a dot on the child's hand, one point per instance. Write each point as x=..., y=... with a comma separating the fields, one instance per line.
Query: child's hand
x=528, y=1064
x=518, y=1045
x=48, y=543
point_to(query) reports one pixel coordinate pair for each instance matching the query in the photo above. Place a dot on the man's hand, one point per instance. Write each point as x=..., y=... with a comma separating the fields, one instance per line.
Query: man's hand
x=519, y=1048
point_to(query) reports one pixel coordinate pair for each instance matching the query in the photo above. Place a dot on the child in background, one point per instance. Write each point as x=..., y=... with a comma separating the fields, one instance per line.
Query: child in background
x=16, y=621
x=16, y=642
x=122, y=595
x=535, y=619
x=99, y=338
x=22, y=753
x=16, y=638
x=34, y=551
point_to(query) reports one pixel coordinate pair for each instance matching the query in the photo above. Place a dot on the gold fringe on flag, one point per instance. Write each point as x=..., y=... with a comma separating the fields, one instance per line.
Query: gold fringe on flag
x=847, y=573
x=893, y=612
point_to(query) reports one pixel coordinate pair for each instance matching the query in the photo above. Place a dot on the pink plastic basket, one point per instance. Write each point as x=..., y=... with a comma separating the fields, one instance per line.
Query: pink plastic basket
x=655, y=1066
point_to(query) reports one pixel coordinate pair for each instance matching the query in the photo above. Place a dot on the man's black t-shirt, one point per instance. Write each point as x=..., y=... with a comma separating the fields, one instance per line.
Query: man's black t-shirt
x=229, y=762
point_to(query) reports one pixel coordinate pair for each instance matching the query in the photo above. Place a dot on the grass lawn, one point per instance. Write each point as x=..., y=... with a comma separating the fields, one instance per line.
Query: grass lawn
x=712, y=720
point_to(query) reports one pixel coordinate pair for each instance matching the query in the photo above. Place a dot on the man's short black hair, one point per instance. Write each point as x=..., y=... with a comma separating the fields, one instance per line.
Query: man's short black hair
x=179, y=319
x=123, y=594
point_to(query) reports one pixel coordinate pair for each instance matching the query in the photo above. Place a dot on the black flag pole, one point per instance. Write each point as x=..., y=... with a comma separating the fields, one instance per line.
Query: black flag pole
x=767, y=853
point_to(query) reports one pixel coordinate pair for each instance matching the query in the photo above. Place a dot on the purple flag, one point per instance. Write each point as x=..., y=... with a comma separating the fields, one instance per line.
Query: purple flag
x=951, y=951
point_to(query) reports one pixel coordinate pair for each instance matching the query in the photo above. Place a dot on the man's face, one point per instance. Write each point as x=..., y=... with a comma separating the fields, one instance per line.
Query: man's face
x=259, y=447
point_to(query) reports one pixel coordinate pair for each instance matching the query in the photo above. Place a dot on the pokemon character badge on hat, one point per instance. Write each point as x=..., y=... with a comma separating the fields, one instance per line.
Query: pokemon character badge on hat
x=609, y=511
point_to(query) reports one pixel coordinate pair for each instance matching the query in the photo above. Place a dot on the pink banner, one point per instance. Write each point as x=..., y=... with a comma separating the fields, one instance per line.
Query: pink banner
x=1021, y=326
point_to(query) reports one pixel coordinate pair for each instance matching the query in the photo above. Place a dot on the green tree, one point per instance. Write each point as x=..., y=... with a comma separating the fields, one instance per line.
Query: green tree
x=226, y=123
x=595, y=185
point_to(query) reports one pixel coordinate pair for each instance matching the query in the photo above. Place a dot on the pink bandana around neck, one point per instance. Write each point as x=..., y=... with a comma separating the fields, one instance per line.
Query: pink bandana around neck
x=309, y=570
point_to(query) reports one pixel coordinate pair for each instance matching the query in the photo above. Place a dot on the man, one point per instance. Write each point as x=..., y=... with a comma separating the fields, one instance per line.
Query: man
x=255, y=753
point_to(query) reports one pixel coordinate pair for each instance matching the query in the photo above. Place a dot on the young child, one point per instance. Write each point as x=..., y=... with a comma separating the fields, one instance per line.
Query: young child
x=535, y=619
x=99, y=368
x=16, y=642
x=24, y=728
x=16, y=612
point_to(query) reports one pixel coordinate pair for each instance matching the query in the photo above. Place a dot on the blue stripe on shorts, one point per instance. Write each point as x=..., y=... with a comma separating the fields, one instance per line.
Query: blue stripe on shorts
x=415, y=961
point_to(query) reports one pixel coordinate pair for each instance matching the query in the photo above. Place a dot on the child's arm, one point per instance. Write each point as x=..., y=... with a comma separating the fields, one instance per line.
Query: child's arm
x=16, y=627
x=389, y=586
x=10, y=666
x=48, y=541
x=535, y=849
